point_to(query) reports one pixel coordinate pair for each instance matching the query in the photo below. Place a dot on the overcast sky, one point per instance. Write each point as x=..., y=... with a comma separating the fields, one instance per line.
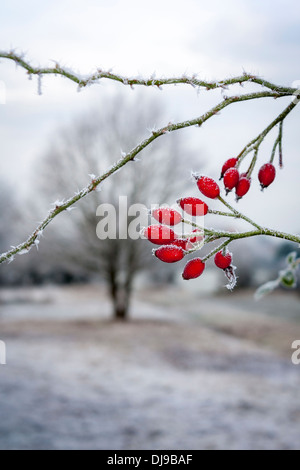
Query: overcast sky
x=213, y=39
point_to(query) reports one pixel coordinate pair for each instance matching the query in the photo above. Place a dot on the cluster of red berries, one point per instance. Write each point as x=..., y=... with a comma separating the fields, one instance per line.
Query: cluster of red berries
x=241, y=182
x=173, y=247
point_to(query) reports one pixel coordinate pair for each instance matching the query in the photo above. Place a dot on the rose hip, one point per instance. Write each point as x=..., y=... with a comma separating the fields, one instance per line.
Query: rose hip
x=266, y=175
x=166, y=215
x=169, y=253
x=230, y=163
x=193, y=269
x=223, y=261
x=193, y=206
x=208, y=187
x=159, y=234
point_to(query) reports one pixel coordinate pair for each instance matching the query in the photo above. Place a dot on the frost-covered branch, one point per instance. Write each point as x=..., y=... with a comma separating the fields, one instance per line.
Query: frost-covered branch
x=83, y=81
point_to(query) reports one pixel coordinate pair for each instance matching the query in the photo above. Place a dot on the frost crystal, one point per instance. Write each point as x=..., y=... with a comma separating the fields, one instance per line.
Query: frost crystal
x=23, y=252
x=57, y=203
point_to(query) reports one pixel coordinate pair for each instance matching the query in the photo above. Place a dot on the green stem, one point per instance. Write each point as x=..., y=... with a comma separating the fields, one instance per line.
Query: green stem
x=274, y=150
x=253, y=162
x=256, y=142
x=280, y=144
x=226, y=214
x=238, y=214
x=254, y=233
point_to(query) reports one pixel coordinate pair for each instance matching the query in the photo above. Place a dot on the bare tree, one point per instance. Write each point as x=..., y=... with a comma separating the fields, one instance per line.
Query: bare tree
x=87, y=147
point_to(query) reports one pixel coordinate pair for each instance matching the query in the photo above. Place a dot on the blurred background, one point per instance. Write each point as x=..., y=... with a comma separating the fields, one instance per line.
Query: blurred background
x=191, y=365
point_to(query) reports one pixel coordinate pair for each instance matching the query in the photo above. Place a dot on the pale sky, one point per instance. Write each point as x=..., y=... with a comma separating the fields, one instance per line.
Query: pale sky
x=214, y=39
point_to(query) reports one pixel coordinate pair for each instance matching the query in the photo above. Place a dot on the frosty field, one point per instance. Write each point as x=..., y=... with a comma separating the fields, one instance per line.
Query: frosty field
x=208, y=373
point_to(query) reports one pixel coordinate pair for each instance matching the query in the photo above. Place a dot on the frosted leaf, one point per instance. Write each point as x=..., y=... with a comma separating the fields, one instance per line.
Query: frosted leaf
x=92, y=176
x=266, y=289
x=288, y=278
x=36, y=242
x=123, y=154
x=40, y=234
x=11, y=260
x=231, y=276
x=291, y=257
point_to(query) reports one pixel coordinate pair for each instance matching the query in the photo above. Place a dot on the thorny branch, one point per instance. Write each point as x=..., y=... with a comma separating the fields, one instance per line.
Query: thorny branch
x=271, y=91
x=82, y=82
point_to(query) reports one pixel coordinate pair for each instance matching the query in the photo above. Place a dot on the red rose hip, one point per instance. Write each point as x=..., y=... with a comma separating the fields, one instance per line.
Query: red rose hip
x=223, y=261
x=193, y=269
x=166, y=215
x=242, y=187
x=231, y=179
x=266, y=175
x=159, y=234
x=208, y=187
x=230, y=163
x=169, y=253
x=193, y=206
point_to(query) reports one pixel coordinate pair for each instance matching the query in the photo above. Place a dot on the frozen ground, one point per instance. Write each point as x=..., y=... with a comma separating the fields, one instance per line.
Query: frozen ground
x=182, y=374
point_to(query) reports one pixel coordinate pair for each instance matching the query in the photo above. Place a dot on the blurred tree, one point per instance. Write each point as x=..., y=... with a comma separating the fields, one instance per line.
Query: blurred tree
x=10, y=227
x=89, y=146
